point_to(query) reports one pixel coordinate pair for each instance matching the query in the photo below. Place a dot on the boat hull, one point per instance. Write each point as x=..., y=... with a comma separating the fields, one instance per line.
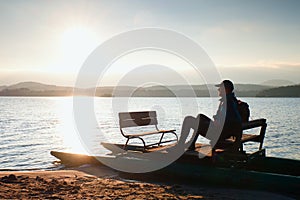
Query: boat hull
x=205, y=171
x=230, y=177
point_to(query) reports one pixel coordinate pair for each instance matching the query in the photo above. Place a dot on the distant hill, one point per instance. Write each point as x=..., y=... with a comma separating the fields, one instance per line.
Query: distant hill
x=278, y=83
x=3, y=87
x=245, y=90
x=249, y=90
x=36, y=86
x=241, y=90
x=287, y=91
x=40, y=93
x=35, y=89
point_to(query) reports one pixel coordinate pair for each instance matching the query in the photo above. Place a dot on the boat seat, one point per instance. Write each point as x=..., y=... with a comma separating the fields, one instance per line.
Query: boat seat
x=143, y=118
x=258, y=123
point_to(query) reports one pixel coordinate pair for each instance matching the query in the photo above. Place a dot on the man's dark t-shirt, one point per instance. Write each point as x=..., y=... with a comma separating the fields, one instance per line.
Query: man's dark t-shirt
x=229, y=115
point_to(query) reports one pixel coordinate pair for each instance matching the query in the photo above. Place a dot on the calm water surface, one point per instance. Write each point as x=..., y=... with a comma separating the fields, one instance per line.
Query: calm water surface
x=31, y=127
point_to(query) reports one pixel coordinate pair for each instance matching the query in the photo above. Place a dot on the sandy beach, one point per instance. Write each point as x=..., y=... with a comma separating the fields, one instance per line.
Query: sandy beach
x=94, y=182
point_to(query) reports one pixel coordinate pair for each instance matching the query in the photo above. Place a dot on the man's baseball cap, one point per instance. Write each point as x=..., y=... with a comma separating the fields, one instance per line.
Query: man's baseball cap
x=227, y=84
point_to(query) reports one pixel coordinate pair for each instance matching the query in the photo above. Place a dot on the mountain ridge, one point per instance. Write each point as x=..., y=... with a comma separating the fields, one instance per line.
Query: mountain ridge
x=30, y=88
x=284, y=91
x=278, y=83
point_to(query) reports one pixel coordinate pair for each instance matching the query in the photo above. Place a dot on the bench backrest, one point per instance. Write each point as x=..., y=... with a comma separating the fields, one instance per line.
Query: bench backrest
x=254, y=123
x=132, y=119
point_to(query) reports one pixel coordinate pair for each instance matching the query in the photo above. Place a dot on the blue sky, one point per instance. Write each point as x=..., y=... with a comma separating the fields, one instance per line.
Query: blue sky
x=249, y=41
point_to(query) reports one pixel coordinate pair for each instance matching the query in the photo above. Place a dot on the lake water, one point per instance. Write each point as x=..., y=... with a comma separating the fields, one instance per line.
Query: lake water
x=31, y=127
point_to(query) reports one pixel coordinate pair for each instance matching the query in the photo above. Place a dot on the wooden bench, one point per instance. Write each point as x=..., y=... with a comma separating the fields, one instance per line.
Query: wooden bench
x=258, y=123
x=262, y=123
x=143, y=118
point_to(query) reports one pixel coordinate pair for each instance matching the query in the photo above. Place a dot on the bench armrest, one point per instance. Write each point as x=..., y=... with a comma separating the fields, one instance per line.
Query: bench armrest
x=151, y=133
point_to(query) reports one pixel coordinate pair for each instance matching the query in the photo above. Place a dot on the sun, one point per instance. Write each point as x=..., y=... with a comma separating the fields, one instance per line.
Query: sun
x=78, y=42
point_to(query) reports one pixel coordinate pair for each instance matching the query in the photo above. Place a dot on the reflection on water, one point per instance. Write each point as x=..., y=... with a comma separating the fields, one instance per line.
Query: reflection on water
x=66, y=128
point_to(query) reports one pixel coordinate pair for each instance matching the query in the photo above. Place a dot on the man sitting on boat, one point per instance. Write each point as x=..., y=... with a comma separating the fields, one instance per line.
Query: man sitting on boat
x=226, y=123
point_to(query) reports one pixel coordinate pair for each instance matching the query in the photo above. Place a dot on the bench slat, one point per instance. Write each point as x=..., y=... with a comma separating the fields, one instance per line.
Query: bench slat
x=250, y=137
x=245, y=138
x=158, y=143
x=137, y=122
x=133, y=119
x=137, y=115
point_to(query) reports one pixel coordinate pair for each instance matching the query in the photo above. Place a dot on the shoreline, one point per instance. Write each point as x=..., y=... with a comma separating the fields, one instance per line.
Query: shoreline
x=94, y=182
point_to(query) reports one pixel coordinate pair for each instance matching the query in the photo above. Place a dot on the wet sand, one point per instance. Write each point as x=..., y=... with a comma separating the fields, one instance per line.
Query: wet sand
x=91, y=182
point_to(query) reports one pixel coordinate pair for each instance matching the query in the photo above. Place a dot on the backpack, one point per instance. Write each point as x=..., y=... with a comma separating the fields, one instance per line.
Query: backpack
x=244, y=110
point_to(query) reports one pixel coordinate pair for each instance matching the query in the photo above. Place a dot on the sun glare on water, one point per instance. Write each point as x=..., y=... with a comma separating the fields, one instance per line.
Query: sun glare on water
x=71, y=139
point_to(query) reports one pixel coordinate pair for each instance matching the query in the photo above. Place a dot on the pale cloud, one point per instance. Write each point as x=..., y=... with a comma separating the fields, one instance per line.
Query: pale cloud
x=232, y=27
x=266, y=64
x=278, y=65
x=261, y=71
x=144, y=18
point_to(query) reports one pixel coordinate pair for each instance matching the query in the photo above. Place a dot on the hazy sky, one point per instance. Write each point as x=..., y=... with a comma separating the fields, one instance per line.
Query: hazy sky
x=249, y=41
